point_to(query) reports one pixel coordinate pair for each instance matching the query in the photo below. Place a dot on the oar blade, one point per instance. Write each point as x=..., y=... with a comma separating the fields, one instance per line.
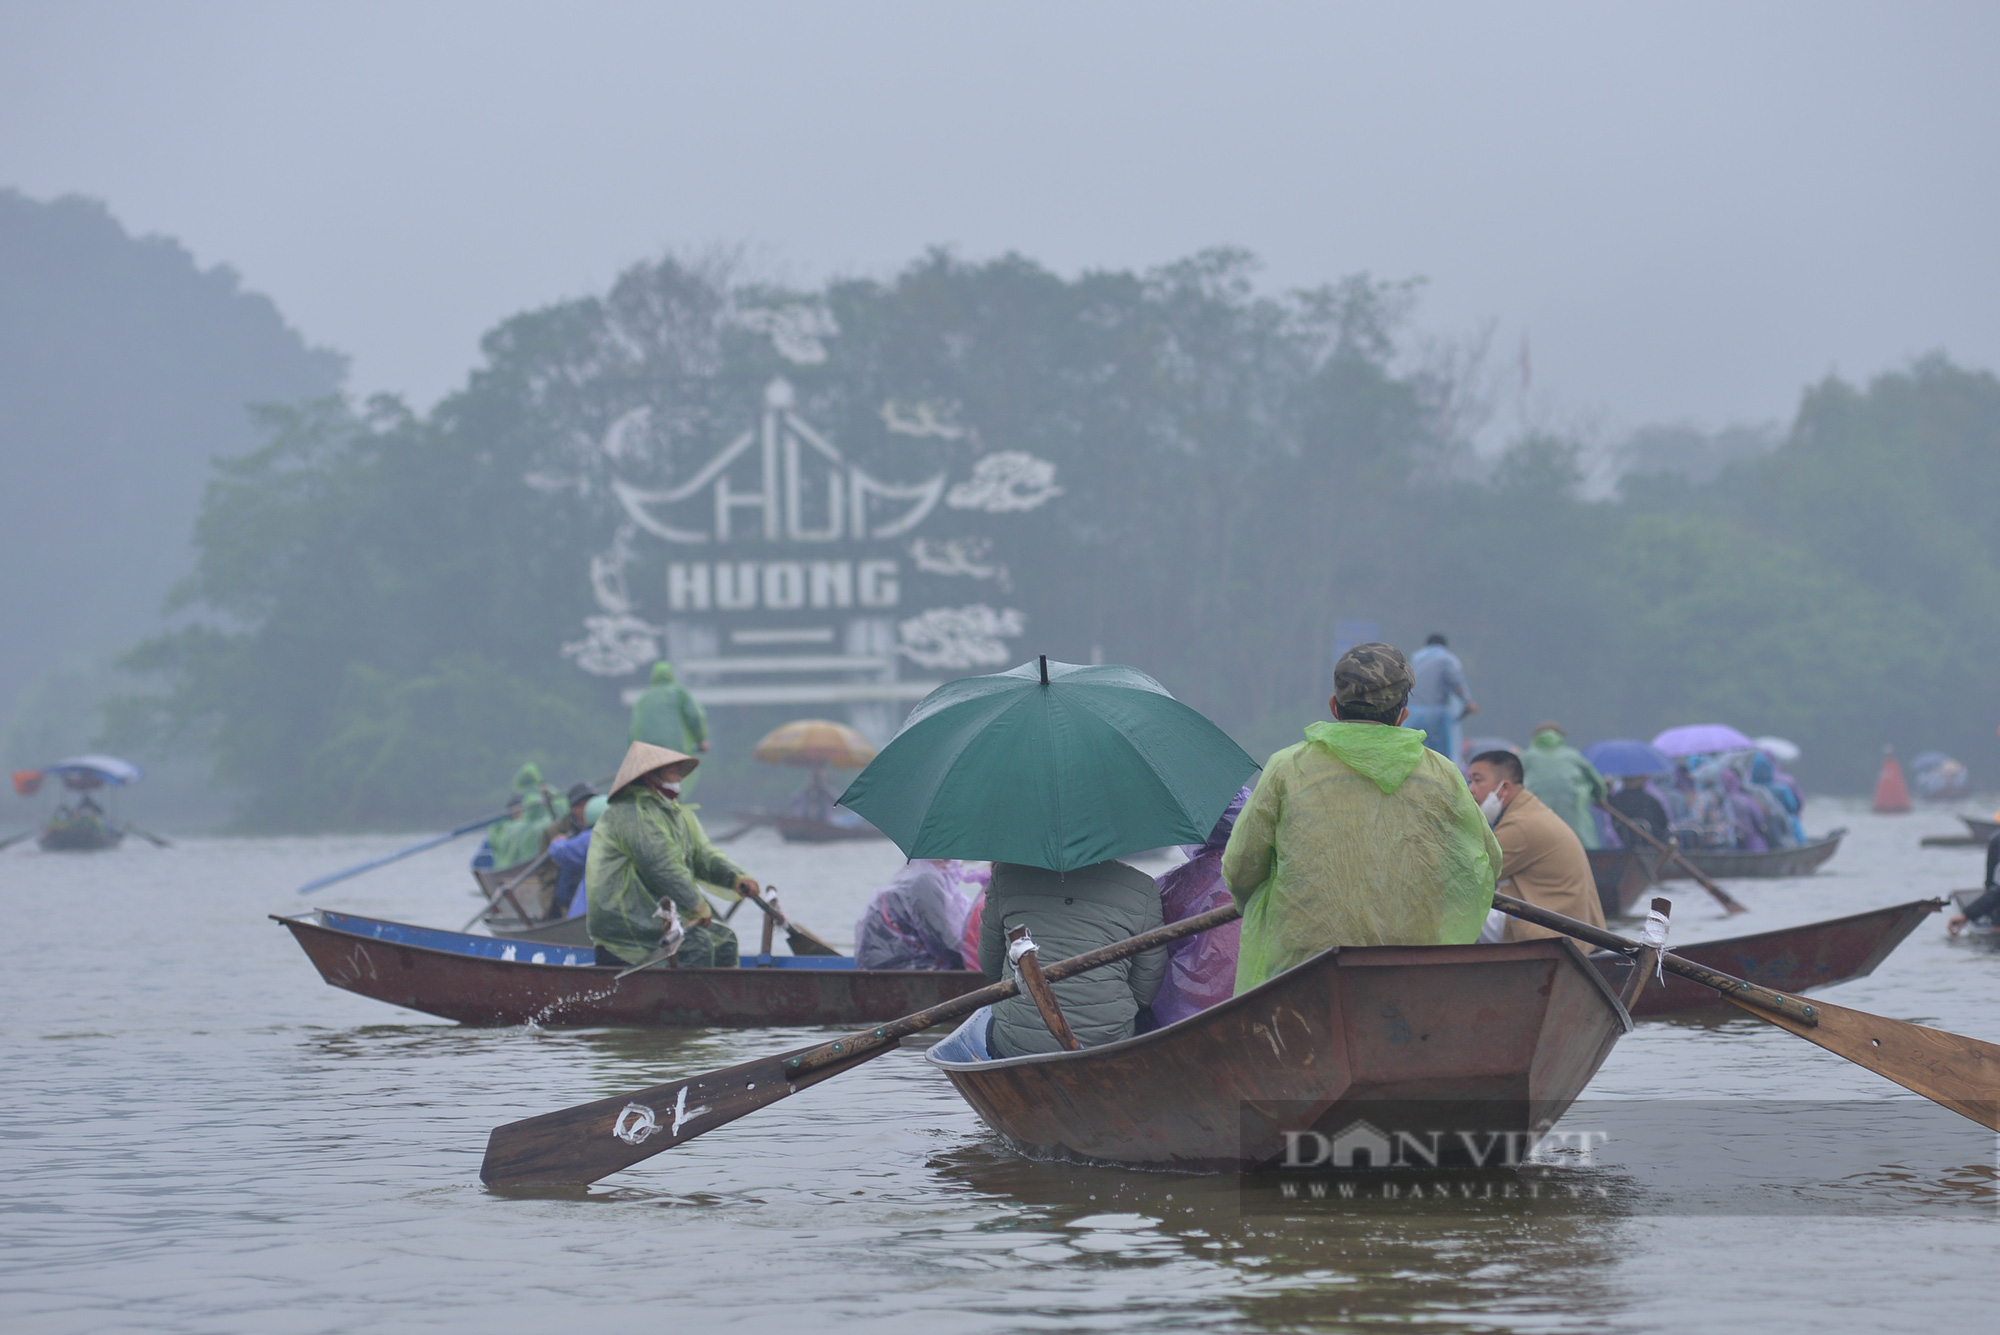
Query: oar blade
x=804, y=942
x=579, y=1145
x=1959, y=1072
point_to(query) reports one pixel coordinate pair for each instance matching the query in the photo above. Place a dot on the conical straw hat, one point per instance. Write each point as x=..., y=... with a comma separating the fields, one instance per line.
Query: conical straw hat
x=643, y=758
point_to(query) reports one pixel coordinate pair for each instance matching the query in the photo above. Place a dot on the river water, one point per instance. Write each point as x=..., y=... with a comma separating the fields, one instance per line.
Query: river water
x=198, y=1134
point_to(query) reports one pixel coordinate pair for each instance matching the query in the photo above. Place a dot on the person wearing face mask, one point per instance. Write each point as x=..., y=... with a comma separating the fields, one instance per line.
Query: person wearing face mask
x=647, y=851
x=1359, y=835
x=1541, y=859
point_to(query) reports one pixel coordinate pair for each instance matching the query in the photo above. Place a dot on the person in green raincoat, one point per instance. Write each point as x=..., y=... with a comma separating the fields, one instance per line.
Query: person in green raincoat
x=1567, y=784
x=1358, y=836
x=518, y=839
x=647, y=851
x=665, y=714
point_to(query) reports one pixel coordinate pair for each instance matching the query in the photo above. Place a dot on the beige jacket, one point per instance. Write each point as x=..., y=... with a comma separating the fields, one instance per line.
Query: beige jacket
x=1543, y=862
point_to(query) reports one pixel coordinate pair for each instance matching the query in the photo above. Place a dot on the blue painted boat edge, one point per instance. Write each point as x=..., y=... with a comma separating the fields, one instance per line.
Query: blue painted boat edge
x=512, y=951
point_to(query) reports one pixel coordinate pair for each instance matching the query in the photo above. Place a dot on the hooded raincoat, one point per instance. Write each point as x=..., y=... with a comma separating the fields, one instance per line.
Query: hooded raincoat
x=519, y=839
x=666, y=715
x=644, y=851
x=1358, y=836
x=1568, y=785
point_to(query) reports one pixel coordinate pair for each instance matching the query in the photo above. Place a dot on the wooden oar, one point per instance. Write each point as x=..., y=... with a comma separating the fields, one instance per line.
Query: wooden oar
x=593, y=1140
x=401, y=853
x=507, y=892
x=1961, y=1073
x=798, y=938
x=1722, y=897
x=155, y=839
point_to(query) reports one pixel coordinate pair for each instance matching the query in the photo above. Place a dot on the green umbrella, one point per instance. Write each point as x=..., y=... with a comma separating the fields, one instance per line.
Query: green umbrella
x=1054, y=765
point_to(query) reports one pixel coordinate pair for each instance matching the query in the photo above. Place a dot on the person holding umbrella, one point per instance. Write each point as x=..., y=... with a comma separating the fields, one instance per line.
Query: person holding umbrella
x=1052, y=772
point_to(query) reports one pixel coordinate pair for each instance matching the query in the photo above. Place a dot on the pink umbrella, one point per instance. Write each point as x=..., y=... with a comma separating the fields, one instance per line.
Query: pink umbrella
x=1700, y=738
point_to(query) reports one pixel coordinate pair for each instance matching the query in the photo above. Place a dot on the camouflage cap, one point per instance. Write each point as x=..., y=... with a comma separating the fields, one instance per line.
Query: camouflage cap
x=1373, y=678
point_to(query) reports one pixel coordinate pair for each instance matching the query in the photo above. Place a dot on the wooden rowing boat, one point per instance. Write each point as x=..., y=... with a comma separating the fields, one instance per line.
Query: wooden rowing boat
x=484, y=980
x=1723, y=863
x=80, y=836
x=1790, y=959
x=1476, y=1038
x=1622, y=876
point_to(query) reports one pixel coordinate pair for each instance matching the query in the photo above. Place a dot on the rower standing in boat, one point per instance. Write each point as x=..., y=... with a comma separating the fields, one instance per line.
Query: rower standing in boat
x=1987, y=906
x=666, y=715
x=1542, y=860
x=1358, y=836
x=1564, y=780
x=646, y=852
x=1439, y=699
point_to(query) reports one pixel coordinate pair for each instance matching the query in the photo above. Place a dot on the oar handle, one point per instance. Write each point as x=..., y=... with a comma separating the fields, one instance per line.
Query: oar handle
x=1736, y=989
x=845, y=1049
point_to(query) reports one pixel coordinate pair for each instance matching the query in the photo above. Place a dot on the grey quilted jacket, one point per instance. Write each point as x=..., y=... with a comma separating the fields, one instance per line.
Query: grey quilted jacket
x=1068, y=913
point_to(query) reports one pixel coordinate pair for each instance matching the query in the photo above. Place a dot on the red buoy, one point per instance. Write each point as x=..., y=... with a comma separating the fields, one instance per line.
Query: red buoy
x=1892, y=795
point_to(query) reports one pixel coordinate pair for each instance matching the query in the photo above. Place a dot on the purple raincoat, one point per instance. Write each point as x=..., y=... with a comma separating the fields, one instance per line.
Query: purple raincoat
x=1202, y=969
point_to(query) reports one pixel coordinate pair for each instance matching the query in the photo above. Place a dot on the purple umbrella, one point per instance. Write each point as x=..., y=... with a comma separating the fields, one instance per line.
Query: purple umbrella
x=1700, y=739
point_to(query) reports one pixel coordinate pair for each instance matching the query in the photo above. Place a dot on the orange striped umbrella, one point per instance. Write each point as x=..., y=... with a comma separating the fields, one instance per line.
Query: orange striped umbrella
x=811, y=742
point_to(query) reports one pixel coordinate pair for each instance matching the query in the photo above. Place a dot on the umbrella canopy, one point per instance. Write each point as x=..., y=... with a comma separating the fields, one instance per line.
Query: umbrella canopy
x=1055, y=766
x=1778, y=749
x=812, y=742
x=1622, y=756
x=1700, y=738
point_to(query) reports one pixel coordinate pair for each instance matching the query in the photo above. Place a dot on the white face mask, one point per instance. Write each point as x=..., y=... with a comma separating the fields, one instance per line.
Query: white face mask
x=1491, y=806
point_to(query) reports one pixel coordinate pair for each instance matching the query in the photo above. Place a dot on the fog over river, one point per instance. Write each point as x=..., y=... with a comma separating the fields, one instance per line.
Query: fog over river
x=200, y=1135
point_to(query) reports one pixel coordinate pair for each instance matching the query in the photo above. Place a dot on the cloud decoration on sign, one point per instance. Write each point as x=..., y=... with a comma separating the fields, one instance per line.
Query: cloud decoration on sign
x=795, y=331
x=960, y=637
x=1008, y=481
x=614, y=646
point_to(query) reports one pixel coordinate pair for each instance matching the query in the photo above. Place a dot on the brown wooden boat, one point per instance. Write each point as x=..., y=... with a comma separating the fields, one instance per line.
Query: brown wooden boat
x=1790, y=959
x=1476, y=1038
x=483, y=980
x=1623, y=875
x=1722, y=863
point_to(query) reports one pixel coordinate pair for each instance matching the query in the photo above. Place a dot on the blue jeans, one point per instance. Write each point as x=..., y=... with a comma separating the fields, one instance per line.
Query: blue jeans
x=1440, y=728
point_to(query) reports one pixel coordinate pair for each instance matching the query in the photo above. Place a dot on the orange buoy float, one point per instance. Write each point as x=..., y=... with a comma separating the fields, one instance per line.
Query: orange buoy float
x=1892, y=795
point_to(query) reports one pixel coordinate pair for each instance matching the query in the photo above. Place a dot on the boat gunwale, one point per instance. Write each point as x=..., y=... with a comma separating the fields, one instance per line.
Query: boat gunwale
x=589, y=970
x=1356, y=956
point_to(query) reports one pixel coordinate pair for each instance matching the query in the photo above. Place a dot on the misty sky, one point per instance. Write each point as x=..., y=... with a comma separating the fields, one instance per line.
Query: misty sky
x=1690, y=209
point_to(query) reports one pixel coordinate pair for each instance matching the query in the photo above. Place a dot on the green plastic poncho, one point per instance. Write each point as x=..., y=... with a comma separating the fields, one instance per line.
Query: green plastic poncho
x=666, y=715
x=1358, y=836
x=1557, y=773
x=645, y=850
x=519, y=839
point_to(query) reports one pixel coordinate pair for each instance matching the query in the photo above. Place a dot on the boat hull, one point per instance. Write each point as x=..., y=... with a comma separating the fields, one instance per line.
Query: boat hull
x=524, y=982
x=1479, y=1038
x=1791, y=959
x=79, y=838
x=1623, y=875
x=1979, y=829
x=1800, y=860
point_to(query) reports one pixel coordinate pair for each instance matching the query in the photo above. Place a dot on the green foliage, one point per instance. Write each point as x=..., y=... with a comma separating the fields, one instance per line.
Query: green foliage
x=381, y=596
